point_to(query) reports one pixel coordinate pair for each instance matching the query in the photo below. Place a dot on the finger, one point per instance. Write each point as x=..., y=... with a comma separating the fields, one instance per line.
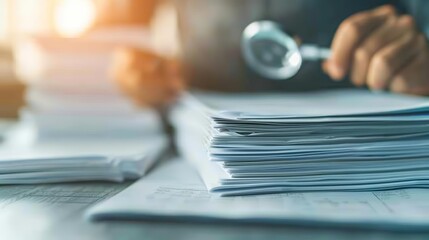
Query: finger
x=160, y=88
x=381, y=37
x=131, y=82
x=412, y=78
x=363, y=53
x=121, y=61
x=150, y=80
x=128, y=59
x=175, y=78
x=350, y=34
x=391, y=59
x=150, y=90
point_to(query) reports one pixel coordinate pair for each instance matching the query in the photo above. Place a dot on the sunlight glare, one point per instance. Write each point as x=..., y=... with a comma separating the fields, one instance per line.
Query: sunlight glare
x=73, y=17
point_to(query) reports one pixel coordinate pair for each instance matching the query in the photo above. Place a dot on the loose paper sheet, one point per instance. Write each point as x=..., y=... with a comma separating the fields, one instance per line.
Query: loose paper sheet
x=174, y=191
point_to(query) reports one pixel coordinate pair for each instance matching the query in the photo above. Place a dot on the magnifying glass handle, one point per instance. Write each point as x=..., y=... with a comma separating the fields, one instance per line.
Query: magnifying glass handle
x=314, y=52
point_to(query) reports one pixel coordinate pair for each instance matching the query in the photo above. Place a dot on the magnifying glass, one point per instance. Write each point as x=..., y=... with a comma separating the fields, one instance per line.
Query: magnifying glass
x=274, y=54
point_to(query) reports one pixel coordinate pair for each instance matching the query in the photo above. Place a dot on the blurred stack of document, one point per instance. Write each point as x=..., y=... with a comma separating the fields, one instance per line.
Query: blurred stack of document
x=25, y=162
x=343, y=140
x=70, y=91
x=77, y=125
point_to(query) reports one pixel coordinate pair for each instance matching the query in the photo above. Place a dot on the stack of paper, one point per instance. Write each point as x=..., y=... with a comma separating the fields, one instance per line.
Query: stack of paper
x=347, y=140
x=71, y=92
x=23, y=161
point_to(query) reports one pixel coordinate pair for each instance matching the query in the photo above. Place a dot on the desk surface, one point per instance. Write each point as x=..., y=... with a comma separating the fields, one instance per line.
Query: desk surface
x=55, y=212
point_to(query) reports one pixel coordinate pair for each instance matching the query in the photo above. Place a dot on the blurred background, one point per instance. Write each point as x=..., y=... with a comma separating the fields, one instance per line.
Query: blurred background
x=68, y=18
x=55, y=58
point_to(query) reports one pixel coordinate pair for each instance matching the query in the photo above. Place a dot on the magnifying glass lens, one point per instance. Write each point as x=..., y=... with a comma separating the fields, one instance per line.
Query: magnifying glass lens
x=270, y=53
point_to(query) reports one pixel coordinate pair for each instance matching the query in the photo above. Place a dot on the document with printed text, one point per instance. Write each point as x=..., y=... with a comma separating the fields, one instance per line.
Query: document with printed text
x=185, y=197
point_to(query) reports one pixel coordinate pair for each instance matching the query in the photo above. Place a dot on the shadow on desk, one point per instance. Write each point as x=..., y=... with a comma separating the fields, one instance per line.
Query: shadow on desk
x=162, y=229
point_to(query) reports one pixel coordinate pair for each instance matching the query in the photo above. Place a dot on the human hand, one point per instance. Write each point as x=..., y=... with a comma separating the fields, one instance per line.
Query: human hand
x=382, y=50
x=150, y=80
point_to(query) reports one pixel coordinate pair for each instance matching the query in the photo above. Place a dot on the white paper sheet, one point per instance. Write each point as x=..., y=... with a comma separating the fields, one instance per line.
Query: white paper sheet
x=311, y=104
x=174, y=192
